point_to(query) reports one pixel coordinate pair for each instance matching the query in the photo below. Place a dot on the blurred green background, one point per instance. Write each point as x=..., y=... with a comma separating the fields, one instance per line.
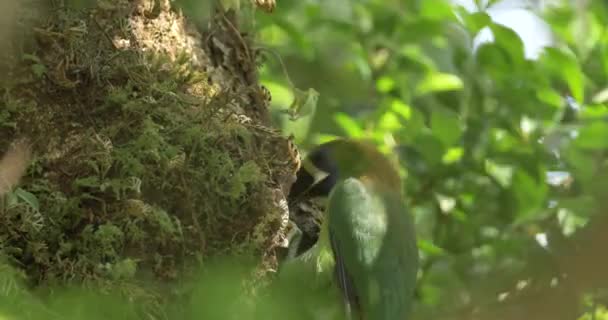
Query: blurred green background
x=494, y=109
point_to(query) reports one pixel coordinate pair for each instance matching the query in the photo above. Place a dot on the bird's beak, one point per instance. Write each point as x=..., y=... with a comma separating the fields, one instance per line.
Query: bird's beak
x=315, y=172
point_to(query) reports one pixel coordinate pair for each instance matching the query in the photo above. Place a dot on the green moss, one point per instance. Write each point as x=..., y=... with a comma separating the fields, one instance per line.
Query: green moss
x=139, y=164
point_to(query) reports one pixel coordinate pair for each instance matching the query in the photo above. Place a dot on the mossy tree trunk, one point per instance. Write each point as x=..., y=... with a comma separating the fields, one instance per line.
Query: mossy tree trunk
x=150, y=144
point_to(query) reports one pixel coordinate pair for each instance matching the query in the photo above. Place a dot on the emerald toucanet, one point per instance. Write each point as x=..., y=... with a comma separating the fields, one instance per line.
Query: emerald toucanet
x=366, y=245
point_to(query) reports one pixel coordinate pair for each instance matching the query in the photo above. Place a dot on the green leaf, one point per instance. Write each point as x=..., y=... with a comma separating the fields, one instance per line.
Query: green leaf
x=420, y=30
x=584, y=165
x=510, y=41
x=385, y=84
x=567, y=68
x=437, y=10
x=438, y=82
x=389, y=122
x=446, y=126
x=430, y=147
x=430, y=248
x=550, y=97
x=28, y=198
x=593, y=136
x=349, y=125
x=476, y=21
x=452, y=155
x=89, y=182
x=502, y=173
x=417, y=56
x=402, y=109
x=494, y=59
x=414, y=125
x=530, y=195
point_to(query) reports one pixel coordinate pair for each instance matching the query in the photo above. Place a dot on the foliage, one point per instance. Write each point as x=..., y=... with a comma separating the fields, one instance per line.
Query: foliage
x=484, y=135
x=215, y=292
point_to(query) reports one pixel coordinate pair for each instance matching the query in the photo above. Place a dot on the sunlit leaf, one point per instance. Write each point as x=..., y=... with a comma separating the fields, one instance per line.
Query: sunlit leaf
x=550, y=97
x=437, y=82
x=385, y=84
x=429, y=248
x=601, y=97
x=476, y=21
x=437, y=10
x=401, y=109
x=389, y=122
x=349, y=125
x=452, y=155
x=502, y=173
x=567, y=68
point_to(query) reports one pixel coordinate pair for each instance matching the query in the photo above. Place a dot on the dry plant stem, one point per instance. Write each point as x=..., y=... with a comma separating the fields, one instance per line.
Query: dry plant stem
x=13, y=165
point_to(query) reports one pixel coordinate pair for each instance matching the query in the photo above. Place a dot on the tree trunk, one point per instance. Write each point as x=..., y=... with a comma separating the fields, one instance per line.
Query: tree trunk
x=150, y=143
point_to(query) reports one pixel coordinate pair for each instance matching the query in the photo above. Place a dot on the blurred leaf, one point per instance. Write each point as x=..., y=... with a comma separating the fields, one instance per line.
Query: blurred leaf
x=420, y=30
x=429, y=248
x=281, y=95
x=304, y=103
x=349, y=125
x=437, y=10
x=430, y=147
x=510, y=41
x=601, y=97
x=494, y=59
x=415, y=53
x=389, y=122
x=567, y=68
x=452, y=155
x=550, y=97
x=502, y=173
x=437, y=82
x=401, y=109
x=593, y=136
x=530, y=196
x=446, y=126
x=385, y=84
x=476, y=21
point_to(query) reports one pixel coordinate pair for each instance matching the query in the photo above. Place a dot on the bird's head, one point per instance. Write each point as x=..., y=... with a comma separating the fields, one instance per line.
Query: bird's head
x=340, y=159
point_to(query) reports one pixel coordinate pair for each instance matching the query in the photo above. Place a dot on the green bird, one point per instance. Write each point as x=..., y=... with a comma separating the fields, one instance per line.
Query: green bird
x=366, y=246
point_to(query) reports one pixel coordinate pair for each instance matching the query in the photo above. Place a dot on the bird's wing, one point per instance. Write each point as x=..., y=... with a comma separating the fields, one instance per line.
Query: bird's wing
x=374, y=249
x=350, y=205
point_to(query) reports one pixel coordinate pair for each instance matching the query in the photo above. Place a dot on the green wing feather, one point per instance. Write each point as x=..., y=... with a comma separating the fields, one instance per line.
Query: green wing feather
x=374, y=245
